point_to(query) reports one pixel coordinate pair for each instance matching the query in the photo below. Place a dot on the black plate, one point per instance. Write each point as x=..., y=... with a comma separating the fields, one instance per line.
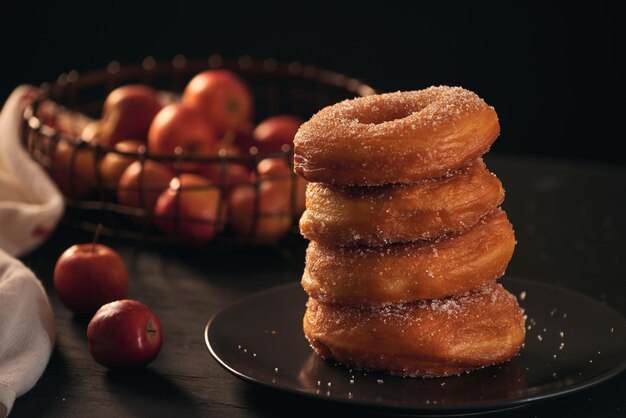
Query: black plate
x=572, y=342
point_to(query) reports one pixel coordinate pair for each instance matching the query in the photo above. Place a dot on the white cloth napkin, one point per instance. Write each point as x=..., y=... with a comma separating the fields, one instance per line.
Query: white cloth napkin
x=30, y=208
x=26, y=329
x=30, y=203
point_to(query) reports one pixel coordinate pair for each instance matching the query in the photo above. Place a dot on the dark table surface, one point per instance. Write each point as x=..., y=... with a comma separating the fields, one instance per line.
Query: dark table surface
x=569, y=221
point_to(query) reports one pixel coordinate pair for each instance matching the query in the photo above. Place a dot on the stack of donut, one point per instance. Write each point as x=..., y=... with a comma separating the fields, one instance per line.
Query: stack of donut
x=407, y=237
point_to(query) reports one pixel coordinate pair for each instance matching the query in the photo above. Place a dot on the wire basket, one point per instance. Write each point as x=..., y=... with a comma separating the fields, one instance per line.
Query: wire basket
x=54, y=120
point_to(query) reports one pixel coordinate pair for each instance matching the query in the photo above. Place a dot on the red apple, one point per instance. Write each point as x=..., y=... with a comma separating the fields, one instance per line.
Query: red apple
x=222, y=97
x=243, y=137
x=190, y=207
x=74, y=169
x=127, y=113
x=279, y=167
x=182, y=126
x=229, y=173
x=274, y=193
x=55, y=116
x=275, y=134
x=114, y=164
x=92, y=131
x=47, y=112
x=124, y=333
x=87, y=276
x=141, y=185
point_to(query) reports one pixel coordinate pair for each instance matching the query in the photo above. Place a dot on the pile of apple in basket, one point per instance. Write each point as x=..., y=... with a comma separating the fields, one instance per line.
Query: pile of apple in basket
x=191, y=167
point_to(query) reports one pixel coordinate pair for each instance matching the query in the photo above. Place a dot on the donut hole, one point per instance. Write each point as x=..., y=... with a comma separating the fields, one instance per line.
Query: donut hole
x=376, y=115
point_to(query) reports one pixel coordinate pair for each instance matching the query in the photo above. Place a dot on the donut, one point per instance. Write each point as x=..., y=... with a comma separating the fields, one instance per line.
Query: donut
x=425, y=338
x=377, y=276
x=375, y=216
x=401, y=137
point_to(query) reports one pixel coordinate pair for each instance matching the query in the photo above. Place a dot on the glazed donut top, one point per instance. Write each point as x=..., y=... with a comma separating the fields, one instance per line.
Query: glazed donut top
x=400, y=137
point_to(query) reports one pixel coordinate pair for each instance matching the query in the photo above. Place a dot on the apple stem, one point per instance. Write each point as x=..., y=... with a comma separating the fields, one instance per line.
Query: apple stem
x=96, y=235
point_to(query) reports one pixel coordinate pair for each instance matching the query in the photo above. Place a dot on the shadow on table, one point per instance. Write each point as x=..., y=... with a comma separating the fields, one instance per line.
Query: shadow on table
x=143, y=392
x=240, y=271
x=48, y=390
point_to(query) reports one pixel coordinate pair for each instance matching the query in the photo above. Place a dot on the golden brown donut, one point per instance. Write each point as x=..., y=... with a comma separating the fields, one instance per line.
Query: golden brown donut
x=375, y=216
x=427, y=338
x=401, y=137
x=401, y=273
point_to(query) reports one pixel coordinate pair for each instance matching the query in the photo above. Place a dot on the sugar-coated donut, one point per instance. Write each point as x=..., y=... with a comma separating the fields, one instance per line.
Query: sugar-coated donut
x=401, y=137
x=376, y=276
x=427, y=338
x=375, y=216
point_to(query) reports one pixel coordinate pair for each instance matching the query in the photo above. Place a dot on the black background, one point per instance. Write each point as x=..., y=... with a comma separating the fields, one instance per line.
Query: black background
x=555, y=73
